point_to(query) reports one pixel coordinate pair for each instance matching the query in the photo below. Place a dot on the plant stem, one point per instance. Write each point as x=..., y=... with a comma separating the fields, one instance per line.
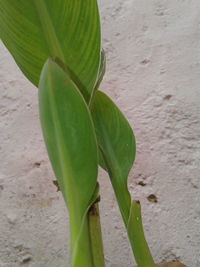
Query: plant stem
x=96, y=236
x=137, y=239
x=131, y=214
x=80, y=244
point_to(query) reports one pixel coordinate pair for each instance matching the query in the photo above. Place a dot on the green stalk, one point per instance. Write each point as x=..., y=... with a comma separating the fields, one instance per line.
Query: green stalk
x=122, y=195
x=134, y=228
x=131, y=214
x=137, y=239
x=96, y=236
x=80, y=244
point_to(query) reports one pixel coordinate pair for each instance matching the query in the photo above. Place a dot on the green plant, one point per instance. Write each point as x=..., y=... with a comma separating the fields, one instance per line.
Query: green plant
x=57, y=45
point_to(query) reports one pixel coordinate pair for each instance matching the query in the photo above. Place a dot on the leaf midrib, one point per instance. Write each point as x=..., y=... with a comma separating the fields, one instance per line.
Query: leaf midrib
x=52, y=41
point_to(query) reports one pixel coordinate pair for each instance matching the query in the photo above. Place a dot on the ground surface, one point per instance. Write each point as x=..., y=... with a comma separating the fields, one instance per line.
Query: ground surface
x=153, y=74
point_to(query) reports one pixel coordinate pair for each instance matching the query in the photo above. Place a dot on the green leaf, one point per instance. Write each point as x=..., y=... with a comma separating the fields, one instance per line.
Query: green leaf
x=117, y=148
x=70, y=140
x=135, y=230
x=34, y=30
x=117, y=145
x=102, y=69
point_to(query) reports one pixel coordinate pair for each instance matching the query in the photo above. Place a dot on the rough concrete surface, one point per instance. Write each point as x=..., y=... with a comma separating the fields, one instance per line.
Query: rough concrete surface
x=153, y=74
x=171, y=264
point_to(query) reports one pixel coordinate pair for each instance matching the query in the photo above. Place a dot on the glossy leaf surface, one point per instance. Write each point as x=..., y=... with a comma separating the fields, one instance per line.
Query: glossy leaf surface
x=117, y=145
x=34, y=30
x=70, y=140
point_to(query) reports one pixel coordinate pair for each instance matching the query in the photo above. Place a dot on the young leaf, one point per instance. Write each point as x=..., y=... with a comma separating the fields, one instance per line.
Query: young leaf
x=34, y=30
x=70, y=140
x=117, y=145
x=117, y=149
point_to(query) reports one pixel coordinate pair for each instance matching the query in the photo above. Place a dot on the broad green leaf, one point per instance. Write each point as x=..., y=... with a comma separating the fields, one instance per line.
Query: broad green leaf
x=117, y=145
x=139, y=244
x=101, y=160
x=34, y=30
x=70, y=140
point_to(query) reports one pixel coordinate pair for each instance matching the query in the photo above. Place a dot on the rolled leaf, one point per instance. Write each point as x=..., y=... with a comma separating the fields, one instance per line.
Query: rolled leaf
x=34, y=30
x=71, y=143
x=102, y=69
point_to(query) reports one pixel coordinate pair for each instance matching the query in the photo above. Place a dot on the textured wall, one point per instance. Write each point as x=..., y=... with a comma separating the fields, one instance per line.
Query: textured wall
x=153, y=74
